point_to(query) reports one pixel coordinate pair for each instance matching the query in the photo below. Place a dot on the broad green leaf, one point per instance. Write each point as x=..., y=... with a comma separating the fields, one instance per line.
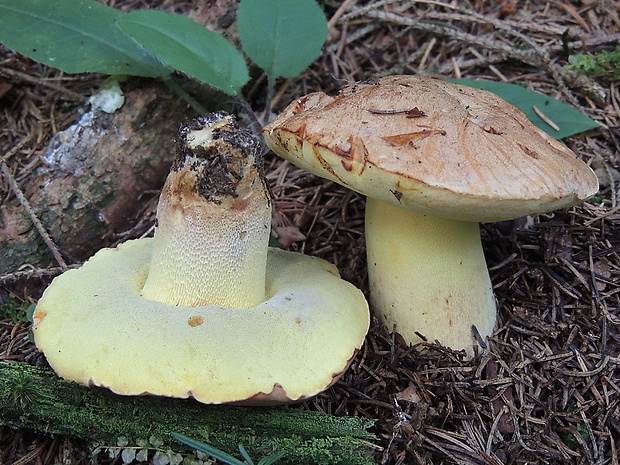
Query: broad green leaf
x=189, y=47
x=567, y=118
x=283, y=37
x=75, y=36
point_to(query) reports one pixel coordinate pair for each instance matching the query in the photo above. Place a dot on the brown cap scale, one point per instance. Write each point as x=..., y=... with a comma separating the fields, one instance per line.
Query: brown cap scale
x=434, y=159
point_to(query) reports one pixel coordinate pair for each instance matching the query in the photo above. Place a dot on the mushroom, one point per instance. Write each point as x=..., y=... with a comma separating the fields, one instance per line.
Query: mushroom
x=434, y=159
x=205, y=308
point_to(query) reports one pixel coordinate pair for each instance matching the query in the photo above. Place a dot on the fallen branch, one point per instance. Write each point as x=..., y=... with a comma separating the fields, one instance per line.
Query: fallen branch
x=35, y=398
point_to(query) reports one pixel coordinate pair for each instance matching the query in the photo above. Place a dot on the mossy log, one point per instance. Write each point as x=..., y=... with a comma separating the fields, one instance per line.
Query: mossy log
x=35, y=398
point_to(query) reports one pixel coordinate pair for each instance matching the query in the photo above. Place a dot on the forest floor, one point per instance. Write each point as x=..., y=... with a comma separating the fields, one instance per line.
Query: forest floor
x=546, y=389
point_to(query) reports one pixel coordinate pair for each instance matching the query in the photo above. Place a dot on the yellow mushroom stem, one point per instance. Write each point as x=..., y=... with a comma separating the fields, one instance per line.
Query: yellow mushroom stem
x=428, y=275
x=213, y=220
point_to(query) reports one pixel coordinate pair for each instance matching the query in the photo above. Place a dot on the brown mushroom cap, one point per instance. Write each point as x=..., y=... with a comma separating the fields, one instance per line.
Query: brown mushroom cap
x=434, y=147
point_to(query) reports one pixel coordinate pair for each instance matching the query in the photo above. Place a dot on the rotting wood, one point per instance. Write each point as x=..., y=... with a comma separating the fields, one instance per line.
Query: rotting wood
x=96, y=175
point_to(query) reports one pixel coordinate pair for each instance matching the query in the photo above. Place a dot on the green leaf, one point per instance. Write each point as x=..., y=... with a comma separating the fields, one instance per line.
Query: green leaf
x=16, y=310
x=283, y=37
x=270, y=460
x=567, y=118
x=245, y=455
x=30, y=312
x=188, y=47
x=75, y=36
x=207, y=449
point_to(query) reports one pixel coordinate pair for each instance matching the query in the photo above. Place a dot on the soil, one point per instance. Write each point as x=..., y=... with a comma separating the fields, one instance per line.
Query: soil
x=546, y=389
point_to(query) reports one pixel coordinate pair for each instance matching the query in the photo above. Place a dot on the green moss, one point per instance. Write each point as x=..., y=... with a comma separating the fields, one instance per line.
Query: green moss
x=15, y=310
x=55, y=406
x=598, y=63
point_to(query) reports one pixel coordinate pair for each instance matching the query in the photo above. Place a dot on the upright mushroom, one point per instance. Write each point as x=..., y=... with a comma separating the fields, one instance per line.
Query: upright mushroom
x=205, y=309
x=434, y=160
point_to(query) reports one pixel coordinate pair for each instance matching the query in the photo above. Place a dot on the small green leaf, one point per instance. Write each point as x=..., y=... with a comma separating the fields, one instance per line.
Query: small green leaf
x=270, y=460
x=75, y=36
x=245, y=455
x=207, y=449
x=283, y=37
x=569, y=120
x=17, y=310
x=188, y=47
x=30, y=312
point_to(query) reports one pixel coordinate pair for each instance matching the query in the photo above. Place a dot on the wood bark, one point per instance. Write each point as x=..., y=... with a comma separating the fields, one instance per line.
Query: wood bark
x=35, y=398
x=94, y=178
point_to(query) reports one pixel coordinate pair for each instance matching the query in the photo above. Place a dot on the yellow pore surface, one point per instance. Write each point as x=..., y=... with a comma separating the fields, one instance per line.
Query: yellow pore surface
x=95, y=329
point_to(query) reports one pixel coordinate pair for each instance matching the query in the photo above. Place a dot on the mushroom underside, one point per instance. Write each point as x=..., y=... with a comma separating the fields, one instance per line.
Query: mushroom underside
x=294, y=344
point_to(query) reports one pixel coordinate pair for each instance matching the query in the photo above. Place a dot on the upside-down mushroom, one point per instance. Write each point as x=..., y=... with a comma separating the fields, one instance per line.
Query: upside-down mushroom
x=434, y=159
x=205, y=308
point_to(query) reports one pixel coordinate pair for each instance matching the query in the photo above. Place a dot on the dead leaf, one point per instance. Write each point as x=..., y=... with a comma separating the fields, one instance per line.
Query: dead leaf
x=5, y=87
x=287, y=235
x=409, y=394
